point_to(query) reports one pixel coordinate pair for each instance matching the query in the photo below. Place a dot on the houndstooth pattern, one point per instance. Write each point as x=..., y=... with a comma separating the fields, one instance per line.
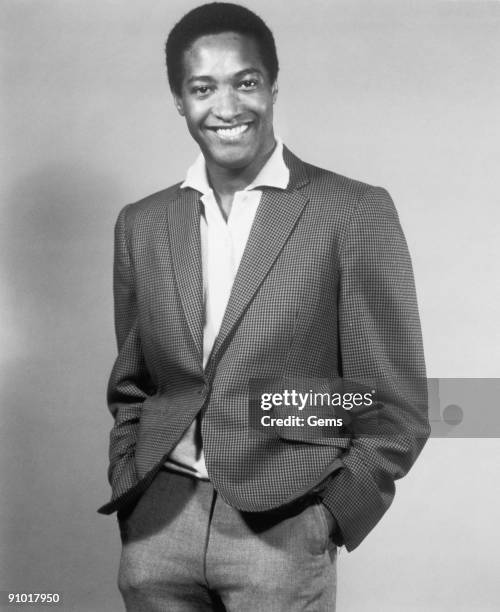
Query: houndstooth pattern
x=324, y=289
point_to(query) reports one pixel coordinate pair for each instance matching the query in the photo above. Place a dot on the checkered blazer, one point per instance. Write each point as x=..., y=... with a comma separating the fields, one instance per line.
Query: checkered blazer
x=324, y=289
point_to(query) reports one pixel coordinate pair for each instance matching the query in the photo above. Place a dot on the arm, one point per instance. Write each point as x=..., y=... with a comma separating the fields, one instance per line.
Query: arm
x=380, y=340
x=129, y=383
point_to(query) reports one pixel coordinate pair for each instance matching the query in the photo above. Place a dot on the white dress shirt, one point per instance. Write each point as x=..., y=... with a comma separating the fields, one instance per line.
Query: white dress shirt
x=222, y=246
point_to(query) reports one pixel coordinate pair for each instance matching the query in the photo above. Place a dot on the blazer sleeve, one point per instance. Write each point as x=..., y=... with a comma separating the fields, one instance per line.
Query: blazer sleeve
x=380, y=341
x=130, y=382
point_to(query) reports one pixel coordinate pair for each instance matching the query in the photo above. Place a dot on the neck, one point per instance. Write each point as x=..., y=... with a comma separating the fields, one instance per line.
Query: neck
x=227, y=181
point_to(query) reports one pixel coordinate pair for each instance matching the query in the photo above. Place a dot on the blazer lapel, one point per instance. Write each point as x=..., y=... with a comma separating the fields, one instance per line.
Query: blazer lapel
x=276, y=217
x=184, y=229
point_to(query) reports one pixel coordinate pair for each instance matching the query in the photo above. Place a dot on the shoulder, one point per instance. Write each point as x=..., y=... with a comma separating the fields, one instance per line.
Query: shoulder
x=322, y=184
x=343, y=196
x=327, y=183
x=149, y=206
x=357, y=196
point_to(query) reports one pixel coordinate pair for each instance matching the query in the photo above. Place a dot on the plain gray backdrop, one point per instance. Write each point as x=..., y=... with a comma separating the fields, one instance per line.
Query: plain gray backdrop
x=395, y=93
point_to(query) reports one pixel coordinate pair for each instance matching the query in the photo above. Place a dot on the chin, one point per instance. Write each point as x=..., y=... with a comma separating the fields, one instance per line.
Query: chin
x=232, y=160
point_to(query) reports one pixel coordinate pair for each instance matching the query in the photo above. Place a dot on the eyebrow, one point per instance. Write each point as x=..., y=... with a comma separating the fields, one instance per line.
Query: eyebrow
x=236, y=75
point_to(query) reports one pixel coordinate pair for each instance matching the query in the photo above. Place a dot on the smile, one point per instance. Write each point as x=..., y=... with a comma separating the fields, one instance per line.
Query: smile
x=233, y=133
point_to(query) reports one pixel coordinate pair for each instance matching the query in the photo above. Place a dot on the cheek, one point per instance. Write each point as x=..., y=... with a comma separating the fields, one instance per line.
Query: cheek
x=193, y=114
x=194, y=127
x=196, y=130
x=265, y=110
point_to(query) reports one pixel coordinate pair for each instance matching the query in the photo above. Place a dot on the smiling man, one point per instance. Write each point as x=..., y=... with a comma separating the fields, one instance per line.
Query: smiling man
x=227, y=97
x=257, y=266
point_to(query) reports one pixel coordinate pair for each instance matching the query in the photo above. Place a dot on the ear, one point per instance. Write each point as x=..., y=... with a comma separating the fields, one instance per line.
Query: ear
x=274, y=90
x=179, y=105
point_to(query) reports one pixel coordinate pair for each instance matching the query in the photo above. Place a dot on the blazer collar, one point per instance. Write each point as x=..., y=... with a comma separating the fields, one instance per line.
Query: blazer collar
x=183, y=223
x=298, y=170
x=276, y=217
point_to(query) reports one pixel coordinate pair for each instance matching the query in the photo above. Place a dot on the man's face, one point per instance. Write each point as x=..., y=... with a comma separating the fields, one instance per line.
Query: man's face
x=227, y=100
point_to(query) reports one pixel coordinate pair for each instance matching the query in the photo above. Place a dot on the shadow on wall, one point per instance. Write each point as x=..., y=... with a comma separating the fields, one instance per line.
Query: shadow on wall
x=57, y=265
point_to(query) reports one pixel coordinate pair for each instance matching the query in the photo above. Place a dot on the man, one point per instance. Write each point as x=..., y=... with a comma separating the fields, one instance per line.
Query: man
x=257, y=267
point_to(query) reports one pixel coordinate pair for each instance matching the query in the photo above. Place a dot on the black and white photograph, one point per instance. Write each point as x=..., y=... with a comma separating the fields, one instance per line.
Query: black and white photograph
x=250, y=302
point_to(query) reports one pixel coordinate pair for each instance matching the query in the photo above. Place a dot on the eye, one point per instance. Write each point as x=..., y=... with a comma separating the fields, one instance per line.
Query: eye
x=200, y=90
x=249, y=84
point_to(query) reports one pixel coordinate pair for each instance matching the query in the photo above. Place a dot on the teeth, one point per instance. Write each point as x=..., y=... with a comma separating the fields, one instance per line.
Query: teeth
x=231, y=133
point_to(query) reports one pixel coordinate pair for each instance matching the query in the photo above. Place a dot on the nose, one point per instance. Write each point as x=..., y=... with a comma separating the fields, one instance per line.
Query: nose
x=226, y=104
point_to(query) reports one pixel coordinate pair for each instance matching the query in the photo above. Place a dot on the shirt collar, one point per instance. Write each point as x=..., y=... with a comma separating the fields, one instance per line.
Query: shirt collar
x=274, y=173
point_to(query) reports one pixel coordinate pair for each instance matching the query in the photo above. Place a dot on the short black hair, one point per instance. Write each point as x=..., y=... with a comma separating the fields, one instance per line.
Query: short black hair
x=215, y=18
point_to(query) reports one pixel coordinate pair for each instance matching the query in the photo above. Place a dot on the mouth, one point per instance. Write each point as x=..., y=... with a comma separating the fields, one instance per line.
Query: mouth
x=230, y=134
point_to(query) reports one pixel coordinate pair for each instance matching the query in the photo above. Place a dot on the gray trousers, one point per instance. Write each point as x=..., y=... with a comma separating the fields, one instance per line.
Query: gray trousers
x=184, y=549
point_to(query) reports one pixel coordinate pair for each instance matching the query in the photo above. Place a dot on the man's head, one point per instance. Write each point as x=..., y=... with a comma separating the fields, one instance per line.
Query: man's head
x=222, y=69
x=215, y=18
